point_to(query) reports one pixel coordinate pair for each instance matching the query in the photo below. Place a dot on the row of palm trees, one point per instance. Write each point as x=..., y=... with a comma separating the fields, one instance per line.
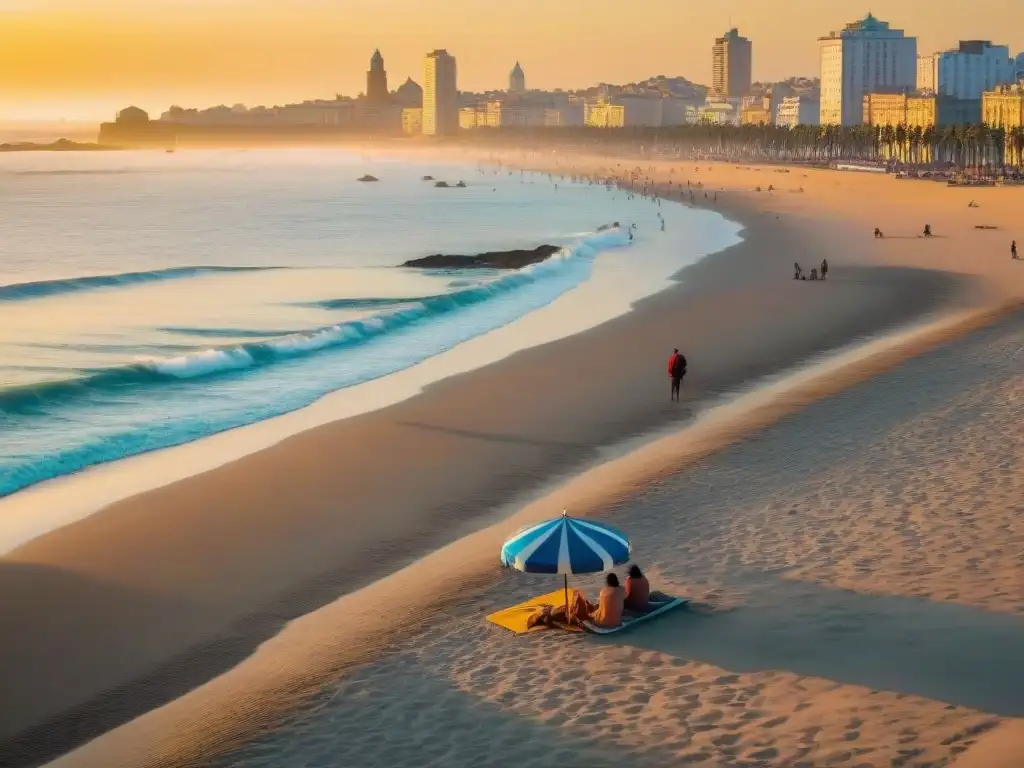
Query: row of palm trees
x=979, y=149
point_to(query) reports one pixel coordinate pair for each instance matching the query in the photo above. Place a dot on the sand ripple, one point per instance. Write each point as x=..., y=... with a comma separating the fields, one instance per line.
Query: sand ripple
x=858, y=568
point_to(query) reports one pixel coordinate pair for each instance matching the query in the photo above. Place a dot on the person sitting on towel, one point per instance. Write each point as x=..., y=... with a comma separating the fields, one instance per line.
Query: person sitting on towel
x=638, y=590
x=607, y=614
x=639, y=597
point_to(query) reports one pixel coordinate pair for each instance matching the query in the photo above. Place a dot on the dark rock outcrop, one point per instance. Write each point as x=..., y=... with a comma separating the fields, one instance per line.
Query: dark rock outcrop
x=493, y=260
x=367, y=177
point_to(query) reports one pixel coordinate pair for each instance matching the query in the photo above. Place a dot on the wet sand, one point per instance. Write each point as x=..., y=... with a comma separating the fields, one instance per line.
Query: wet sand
x=159, y=593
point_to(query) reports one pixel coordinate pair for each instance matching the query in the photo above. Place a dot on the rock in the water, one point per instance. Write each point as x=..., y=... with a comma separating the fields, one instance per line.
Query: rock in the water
x=493, y=260
x=441, y=184
x=428, y=178
x=367, y=177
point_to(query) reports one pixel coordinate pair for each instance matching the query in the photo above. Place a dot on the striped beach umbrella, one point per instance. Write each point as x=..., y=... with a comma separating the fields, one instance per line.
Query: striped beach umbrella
x=566, y=545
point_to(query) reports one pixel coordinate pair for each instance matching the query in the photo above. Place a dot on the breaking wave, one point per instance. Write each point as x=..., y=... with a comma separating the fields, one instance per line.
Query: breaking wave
x=41, y=288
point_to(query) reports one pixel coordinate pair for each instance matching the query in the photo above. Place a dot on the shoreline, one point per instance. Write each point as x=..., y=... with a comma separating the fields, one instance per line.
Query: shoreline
x=456, y=454
x=75, y=495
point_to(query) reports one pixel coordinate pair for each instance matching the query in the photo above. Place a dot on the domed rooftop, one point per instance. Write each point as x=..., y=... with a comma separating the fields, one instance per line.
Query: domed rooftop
x=517, y=70
x=376, y=58
x=409, y=93
x=132, y=115
x=868, y=24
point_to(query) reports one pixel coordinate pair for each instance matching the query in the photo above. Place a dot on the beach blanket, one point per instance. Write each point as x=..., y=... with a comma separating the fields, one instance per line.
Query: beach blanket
x=515, y=618
x=631, y=618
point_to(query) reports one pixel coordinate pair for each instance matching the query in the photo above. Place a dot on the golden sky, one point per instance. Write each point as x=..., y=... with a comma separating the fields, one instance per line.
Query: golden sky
x=83, y=60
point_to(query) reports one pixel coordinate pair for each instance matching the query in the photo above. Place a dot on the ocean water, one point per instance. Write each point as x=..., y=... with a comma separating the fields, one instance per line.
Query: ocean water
x=151, y=299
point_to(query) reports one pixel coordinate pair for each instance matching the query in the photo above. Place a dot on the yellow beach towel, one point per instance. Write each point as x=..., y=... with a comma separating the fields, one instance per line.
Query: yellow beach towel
x=514, y=619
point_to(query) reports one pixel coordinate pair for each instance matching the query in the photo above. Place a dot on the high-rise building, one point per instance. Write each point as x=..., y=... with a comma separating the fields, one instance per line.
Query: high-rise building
x=866, y=56
x=731, y=65
x=968, y=71
x=517, y=80
x=377, y=80
x=1020, y=66
x=440, y=95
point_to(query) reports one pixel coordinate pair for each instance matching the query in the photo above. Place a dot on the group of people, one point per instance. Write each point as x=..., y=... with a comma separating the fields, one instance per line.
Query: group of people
x=612, y=603
x=614, y=600
x=798, y=272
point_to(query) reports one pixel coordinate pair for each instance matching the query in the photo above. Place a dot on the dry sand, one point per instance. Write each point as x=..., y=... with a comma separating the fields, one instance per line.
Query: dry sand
x=774, y=665
x=186, y=580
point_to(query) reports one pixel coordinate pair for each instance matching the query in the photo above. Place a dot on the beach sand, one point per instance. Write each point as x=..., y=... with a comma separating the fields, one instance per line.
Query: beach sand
x=823, y=634
x=859, y=553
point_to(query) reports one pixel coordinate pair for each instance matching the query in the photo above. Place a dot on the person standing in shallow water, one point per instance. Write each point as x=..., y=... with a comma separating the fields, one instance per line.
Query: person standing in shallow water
x=676, y=372
x=824, y=268
x=1013, y=250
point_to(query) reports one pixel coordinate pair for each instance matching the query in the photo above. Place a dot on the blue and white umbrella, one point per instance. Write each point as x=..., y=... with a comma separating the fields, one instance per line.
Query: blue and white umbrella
x=566, y=545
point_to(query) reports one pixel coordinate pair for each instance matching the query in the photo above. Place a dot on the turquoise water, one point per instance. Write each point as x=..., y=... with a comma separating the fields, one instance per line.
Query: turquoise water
x=151, y=299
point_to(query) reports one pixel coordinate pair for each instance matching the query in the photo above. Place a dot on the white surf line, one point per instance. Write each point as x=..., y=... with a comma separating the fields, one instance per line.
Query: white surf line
x=317, y=647
x=44, y=507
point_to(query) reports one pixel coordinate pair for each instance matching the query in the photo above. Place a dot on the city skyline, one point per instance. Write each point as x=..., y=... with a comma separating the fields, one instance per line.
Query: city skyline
x=114, y=53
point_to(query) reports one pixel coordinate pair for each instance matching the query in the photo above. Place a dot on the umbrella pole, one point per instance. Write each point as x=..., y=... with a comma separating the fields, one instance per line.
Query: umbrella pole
x=566, y=593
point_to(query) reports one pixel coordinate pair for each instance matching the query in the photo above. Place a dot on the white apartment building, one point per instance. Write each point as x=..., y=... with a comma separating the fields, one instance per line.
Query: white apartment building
x=440, y=95
x=720, y=112
x=797, y=110
x=968, y=71
x=865, y=56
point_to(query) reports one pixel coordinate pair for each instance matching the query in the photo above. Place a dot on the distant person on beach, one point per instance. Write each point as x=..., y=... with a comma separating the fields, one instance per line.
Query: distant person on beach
x=607, y=613
x=1013, y=250
x=797, y=271
x=676, y=372
x=824, y=268
x=927, y=230
x=878, y=232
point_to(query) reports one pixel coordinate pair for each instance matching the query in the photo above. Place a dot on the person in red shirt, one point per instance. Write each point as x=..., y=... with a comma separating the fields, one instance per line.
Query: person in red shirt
x=676, y=371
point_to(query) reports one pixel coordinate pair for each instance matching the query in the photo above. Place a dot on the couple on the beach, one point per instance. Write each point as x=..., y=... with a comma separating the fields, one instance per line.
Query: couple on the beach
x=614, y=600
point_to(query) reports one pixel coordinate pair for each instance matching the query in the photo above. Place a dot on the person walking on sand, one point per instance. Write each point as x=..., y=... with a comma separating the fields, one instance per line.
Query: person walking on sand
x=824, y=268
x=1013, y=250
x=676, y=372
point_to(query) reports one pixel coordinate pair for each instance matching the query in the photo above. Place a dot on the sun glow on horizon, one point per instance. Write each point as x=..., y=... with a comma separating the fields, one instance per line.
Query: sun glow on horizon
x=78, y=60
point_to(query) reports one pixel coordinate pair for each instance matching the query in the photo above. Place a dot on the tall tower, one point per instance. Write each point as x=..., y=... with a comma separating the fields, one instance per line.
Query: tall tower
x=440, y=95
x=731, y=65
x=377, y=80
x=517, y=80
x=865, y=56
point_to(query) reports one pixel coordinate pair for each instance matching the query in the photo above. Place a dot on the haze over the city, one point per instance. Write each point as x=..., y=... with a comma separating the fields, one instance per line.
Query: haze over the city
x=83, y=60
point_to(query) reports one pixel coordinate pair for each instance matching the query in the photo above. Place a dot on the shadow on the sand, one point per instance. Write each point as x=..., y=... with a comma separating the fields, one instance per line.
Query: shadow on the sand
x=941, y=651
x=60, y=633
x=492, y=437
x=440, y=725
